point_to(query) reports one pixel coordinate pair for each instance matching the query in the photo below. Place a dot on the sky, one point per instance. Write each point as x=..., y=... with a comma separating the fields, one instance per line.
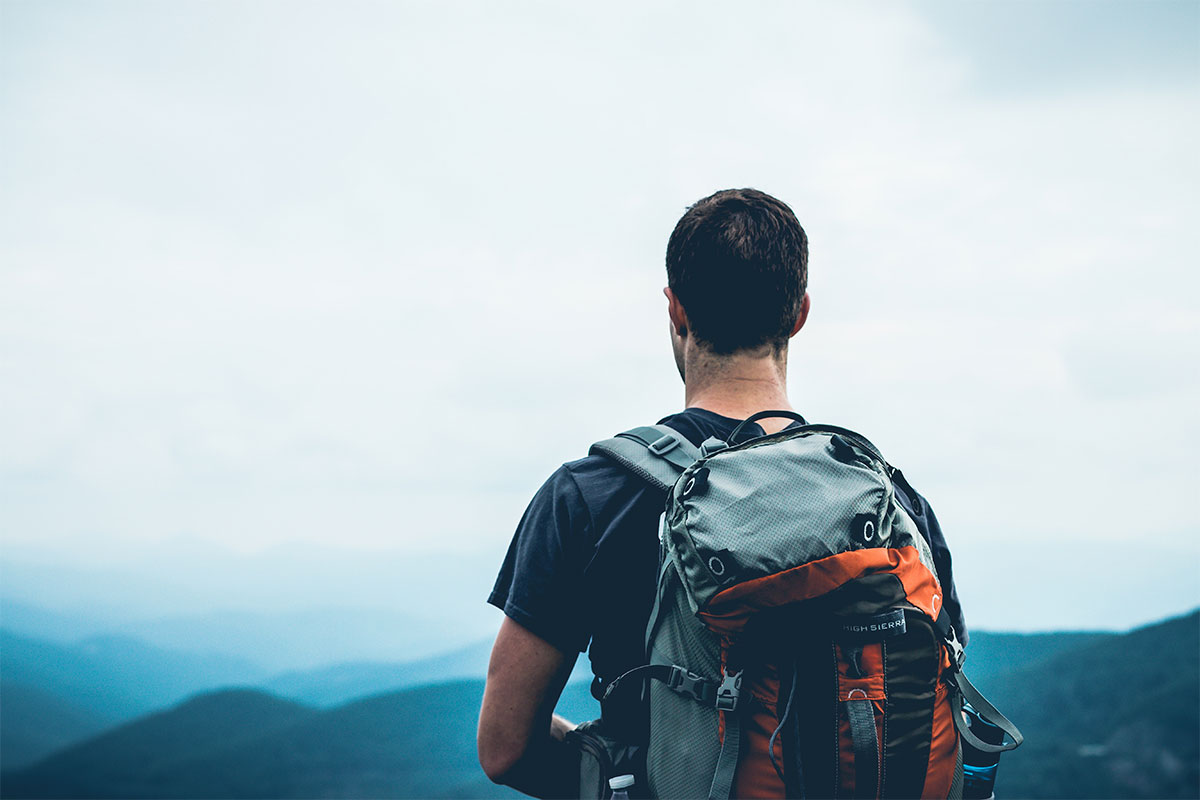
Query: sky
x=350, y=279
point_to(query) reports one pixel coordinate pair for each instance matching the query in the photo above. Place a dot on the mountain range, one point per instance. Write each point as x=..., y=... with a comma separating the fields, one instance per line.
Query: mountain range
x=299, y=606
x=1104, y=714
x=247, y=743
x=273, y=641
x=1115, y=717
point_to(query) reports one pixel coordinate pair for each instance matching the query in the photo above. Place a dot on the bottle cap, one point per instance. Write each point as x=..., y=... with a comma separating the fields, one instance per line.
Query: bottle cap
x=620, y=782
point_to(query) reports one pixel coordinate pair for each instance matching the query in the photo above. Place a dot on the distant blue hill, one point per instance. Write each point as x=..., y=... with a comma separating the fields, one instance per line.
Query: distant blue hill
x=1117, y=717
x=117, y=677
x=55, y=694
x=35, y=723
x=246, y=743
x=294, y=606
x=418, y=743
x=340, y=683
x=298, y=639
x=294, y=640
x=333, y=685
x=138, y=759
x=991, y=655
x=49, y=625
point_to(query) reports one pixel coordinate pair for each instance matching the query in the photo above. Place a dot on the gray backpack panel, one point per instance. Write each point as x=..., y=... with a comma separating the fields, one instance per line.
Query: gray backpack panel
x=780, y=502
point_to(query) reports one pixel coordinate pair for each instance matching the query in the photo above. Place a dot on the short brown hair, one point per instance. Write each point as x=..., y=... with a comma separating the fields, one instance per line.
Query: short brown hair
x=738, y=262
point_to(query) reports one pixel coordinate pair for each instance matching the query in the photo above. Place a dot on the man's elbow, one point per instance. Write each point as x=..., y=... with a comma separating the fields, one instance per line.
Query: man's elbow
x=499, y=757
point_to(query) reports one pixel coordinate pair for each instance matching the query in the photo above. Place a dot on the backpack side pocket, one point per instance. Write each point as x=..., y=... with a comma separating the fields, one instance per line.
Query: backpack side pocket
x=603, y=757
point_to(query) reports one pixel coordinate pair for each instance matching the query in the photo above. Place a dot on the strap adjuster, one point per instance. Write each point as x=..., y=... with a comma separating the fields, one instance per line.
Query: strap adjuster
x=957, y=654
x=663, y=446
x=729, y=690
x=689, y=683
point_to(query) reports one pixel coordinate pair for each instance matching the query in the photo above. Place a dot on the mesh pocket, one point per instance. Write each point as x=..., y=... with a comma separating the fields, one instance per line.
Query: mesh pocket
x=684, y=747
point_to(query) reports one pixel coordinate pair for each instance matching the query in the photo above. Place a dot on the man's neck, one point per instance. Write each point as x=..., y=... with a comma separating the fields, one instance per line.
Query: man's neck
x=738, y=386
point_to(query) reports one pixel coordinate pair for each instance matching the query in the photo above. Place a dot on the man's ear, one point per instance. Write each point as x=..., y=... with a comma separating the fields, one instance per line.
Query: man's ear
x=802, y=317
x=679, y=320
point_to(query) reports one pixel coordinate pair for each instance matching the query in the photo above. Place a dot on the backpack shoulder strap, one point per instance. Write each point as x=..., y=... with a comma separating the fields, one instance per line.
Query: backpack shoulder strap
x=655, y=453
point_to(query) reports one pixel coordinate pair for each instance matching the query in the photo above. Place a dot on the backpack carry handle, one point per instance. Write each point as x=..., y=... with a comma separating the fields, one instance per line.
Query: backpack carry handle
x=792, y=415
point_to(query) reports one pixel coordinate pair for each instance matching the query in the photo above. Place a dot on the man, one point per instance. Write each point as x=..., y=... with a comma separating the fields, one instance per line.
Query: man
x=583, y=562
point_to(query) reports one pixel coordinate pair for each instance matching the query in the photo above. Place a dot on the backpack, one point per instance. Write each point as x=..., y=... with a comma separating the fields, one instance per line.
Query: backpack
x=798, y=645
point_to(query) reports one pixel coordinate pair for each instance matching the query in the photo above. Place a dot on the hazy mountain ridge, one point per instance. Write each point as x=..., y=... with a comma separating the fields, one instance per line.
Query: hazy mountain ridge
x=273, y=641
x=57, y=694
x=1118, y=717
x=116, y=676
x=342, y=683
x=140, y=758
x=267, y=597
x=992, y=654
x=1139, y=737
x=402, y=744
x=246, y=743
x=35, y=722
x=299, y=639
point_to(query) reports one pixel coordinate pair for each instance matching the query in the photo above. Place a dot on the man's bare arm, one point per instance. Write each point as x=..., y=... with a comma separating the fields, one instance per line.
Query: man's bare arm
x=520, y=739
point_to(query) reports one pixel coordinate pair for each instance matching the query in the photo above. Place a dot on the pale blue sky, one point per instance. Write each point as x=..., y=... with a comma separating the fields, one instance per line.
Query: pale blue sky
x=357, y=276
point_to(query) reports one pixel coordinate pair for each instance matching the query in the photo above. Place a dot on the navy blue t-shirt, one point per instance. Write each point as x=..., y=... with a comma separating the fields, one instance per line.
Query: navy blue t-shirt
x=583, y=563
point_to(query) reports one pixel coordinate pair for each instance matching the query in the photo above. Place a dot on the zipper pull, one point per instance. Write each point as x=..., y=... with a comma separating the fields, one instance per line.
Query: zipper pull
x=854, y=659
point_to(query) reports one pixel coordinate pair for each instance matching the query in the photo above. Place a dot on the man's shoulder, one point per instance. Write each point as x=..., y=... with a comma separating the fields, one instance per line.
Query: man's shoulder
x=598, y=479
x=589, y=479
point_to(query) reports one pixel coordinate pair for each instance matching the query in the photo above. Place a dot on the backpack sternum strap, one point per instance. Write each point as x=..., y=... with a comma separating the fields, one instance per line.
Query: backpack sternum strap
x=677, y=679
x=729, y=690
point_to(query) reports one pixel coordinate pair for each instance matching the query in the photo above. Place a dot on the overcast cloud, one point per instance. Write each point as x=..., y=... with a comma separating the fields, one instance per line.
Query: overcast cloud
x=363, y=274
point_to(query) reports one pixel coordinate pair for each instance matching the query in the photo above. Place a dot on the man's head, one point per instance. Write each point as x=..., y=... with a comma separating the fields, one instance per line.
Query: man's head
x=737, y=263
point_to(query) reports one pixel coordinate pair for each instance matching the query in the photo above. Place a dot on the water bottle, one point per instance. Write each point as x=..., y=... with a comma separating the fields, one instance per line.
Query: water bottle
x=979, y=768
x=620, y=786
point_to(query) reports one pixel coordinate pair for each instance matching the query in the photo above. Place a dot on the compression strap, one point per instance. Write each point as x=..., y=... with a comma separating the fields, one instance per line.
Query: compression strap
x=861, y=713
x=966, y=691
x=727, y=761
x=656, y=453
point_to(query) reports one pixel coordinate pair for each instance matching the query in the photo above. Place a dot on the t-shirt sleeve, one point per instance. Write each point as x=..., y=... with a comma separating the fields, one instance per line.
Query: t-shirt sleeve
x=945, y=570
x=539, y=582
x=927, y=522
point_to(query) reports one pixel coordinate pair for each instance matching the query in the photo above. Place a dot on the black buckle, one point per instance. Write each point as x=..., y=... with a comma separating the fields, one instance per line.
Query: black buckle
x=728, y=691
x=690, y=683
x=958, y=654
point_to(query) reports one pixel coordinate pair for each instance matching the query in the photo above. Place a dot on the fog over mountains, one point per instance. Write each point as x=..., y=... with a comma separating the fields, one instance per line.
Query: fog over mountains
x=303, y=606
x=283, y=608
